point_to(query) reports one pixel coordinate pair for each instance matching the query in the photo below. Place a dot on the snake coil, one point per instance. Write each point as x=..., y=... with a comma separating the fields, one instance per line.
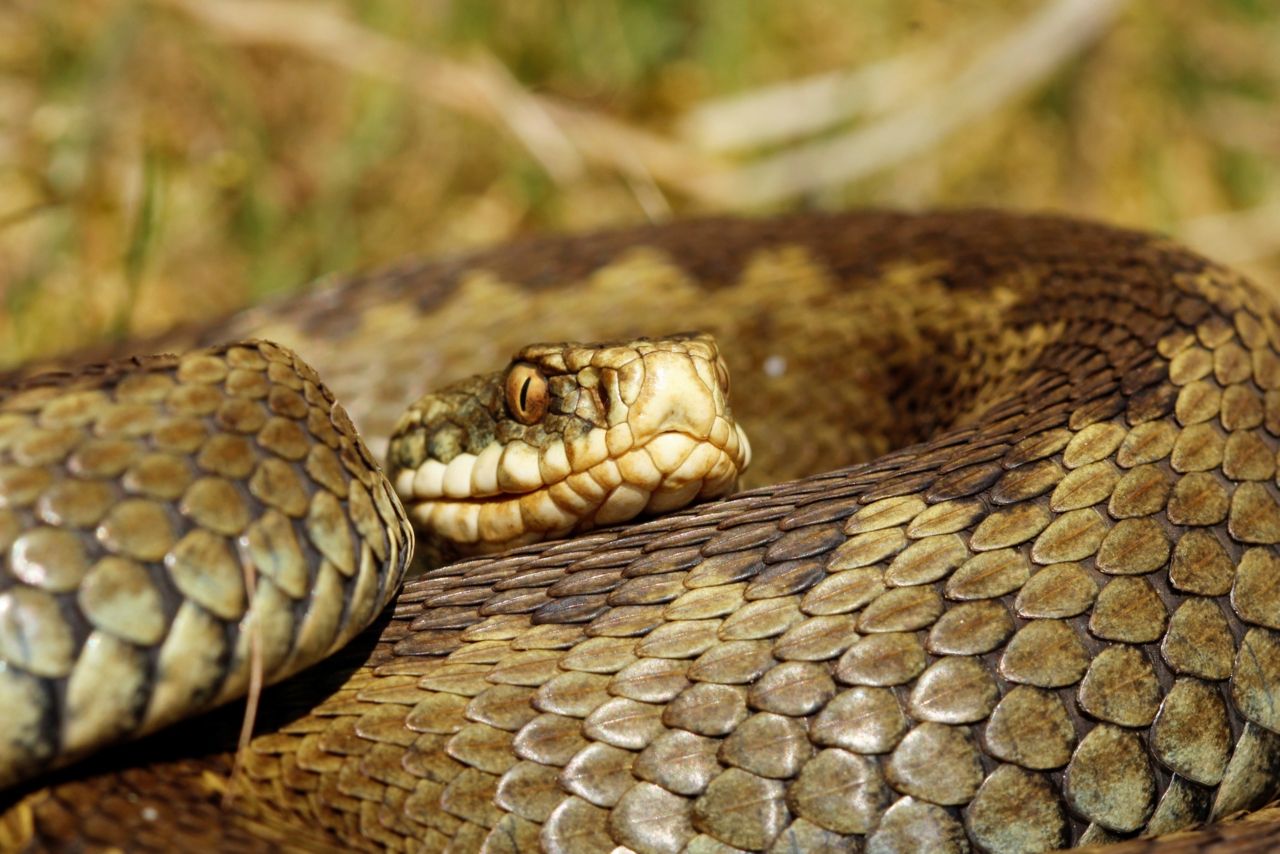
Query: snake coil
x=1015, y=586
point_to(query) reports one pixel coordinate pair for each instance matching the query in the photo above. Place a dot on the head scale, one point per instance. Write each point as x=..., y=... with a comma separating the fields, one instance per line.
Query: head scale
x=569, y=437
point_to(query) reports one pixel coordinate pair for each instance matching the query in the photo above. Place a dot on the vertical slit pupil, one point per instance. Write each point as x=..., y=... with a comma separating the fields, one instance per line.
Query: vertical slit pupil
x=524, y=393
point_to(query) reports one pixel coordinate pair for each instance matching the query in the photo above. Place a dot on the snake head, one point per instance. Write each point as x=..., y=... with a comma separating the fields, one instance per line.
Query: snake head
x=566, y=438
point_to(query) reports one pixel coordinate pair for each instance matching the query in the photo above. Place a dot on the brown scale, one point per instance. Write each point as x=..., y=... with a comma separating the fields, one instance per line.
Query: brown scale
x=1055, y=622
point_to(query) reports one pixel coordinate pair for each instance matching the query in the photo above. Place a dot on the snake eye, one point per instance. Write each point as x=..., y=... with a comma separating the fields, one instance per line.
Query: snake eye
x=526, y=393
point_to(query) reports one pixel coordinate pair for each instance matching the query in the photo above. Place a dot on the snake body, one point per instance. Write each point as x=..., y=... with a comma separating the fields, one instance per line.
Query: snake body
x=1015, y=585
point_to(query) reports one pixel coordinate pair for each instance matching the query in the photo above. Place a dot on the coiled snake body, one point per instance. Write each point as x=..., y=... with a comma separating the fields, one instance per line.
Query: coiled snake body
x=1041, y=609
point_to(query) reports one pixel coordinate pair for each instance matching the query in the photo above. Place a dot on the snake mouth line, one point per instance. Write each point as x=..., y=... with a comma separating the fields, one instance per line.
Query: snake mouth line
x=502, y=497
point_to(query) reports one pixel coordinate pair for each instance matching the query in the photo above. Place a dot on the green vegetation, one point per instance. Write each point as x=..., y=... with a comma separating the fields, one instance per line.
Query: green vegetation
x=156, y=166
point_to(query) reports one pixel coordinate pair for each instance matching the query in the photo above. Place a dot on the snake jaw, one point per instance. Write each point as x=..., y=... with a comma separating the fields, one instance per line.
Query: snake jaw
x=640, y=427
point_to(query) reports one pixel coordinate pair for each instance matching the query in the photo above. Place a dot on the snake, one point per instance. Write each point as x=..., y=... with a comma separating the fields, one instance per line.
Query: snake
x=1003, y=574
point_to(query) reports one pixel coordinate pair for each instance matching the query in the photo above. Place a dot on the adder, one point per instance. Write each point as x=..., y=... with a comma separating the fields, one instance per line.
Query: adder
x=1004, y=576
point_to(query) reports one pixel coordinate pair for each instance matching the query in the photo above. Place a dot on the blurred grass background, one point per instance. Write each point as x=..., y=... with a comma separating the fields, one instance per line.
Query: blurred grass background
x=165, y=160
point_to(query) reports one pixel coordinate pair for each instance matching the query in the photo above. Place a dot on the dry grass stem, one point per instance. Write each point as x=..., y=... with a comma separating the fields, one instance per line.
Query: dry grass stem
x=559, y=135
x=478, y=91
x=771, y=115
x=1013, y=66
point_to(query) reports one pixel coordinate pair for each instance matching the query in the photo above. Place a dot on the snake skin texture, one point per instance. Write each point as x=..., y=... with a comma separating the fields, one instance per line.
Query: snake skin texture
x=1025, y=593
x=134, y=498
